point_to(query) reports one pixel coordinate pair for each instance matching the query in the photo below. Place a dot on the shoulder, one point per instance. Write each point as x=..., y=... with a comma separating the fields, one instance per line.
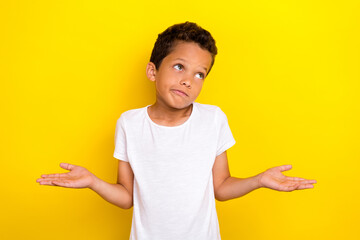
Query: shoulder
x=132, y=115
x=206, y=107
x=210, y=110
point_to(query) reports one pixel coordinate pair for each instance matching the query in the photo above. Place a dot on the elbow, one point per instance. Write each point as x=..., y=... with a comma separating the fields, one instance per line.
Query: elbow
x=124, y=204
x=220, y=197
x=125, y=200
x=221, y=193
x=127, y=206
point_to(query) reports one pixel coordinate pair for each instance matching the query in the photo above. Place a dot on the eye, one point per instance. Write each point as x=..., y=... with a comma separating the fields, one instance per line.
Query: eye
x=200, y=75
x=179, y=67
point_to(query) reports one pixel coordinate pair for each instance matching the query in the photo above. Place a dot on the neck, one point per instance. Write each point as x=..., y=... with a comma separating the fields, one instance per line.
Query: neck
x=168, y=116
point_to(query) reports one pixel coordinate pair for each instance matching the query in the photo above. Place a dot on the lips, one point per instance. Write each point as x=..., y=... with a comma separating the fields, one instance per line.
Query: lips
x=179, y=92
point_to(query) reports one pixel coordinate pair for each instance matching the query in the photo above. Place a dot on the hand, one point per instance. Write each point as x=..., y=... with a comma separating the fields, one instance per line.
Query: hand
x=78, y=177
x=274, y=179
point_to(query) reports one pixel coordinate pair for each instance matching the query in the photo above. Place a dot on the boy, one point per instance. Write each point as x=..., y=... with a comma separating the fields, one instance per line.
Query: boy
x=173, y=161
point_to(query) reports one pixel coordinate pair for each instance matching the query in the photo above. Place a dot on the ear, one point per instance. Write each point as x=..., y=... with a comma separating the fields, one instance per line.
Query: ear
x=151, y=71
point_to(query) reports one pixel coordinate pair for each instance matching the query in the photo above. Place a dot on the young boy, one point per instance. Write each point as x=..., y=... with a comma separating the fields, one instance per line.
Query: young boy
x=173, y=162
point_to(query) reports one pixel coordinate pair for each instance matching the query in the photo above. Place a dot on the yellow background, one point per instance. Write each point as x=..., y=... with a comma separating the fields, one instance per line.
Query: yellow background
x=287, y=76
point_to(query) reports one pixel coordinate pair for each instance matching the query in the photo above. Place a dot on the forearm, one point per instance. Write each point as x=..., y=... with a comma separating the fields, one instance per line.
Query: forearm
x=234, y=187
x=116, y=194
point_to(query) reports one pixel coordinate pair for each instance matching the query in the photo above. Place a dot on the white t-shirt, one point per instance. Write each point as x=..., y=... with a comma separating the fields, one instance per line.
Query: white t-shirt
x=173, y=192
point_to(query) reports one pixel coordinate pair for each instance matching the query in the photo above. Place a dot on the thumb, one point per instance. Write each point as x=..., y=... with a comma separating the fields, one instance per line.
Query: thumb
x=284, y=168
x=67, y=166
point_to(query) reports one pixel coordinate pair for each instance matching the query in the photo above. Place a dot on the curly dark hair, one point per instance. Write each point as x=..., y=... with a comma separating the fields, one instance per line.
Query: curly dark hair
x=188, y=32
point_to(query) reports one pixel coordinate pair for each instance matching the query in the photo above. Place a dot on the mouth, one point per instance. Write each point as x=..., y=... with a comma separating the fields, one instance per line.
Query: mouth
x=179, y=92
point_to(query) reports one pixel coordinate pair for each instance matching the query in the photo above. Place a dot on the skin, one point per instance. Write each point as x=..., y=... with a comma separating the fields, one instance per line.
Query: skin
x=178, y=82
x=185, y=70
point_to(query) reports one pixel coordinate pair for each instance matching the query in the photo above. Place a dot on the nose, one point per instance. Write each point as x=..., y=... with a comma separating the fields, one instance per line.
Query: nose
x=186, y=81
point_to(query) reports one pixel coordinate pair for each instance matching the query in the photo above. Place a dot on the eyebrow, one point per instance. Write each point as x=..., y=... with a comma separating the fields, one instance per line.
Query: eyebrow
x=185, y=61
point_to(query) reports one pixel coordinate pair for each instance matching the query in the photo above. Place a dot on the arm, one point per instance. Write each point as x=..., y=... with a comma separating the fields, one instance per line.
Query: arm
x=227, y=187
x=119, y=194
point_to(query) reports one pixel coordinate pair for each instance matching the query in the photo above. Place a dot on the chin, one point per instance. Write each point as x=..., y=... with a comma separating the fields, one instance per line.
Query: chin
x=180, y=106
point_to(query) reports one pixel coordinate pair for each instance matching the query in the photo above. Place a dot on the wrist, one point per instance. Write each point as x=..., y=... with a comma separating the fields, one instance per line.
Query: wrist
x=258, y=180
x=94, y=183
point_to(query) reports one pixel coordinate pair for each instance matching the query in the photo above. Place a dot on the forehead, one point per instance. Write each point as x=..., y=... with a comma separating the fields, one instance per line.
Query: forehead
x=190, y=52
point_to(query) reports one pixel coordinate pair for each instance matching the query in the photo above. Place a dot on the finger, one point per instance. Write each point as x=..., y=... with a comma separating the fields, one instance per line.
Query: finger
x=294, y=178
x=55, y=175
x=304, y=181
x=52, y=182
x=63, y=184
x=51, y=179
x=305, y=186
x=291, y=187
x=285, y=168
x=308, y=181
x=67, y=166
x=46, y=182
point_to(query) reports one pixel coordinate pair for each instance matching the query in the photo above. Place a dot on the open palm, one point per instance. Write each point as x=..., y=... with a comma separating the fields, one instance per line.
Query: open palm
x=274, y=179
x=78, y=177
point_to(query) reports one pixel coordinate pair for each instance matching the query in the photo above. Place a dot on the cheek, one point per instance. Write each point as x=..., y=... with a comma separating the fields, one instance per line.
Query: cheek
x=161, y=81
x=198, y=86
x=198, y=83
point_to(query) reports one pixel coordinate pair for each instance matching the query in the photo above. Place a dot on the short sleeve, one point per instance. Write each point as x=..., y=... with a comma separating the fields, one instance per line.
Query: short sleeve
x=120, y=151
x=225, y=137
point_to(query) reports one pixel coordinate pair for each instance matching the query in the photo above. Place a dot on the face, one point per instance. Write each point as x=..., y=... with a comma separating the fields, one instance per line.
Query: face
x=181, y=75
